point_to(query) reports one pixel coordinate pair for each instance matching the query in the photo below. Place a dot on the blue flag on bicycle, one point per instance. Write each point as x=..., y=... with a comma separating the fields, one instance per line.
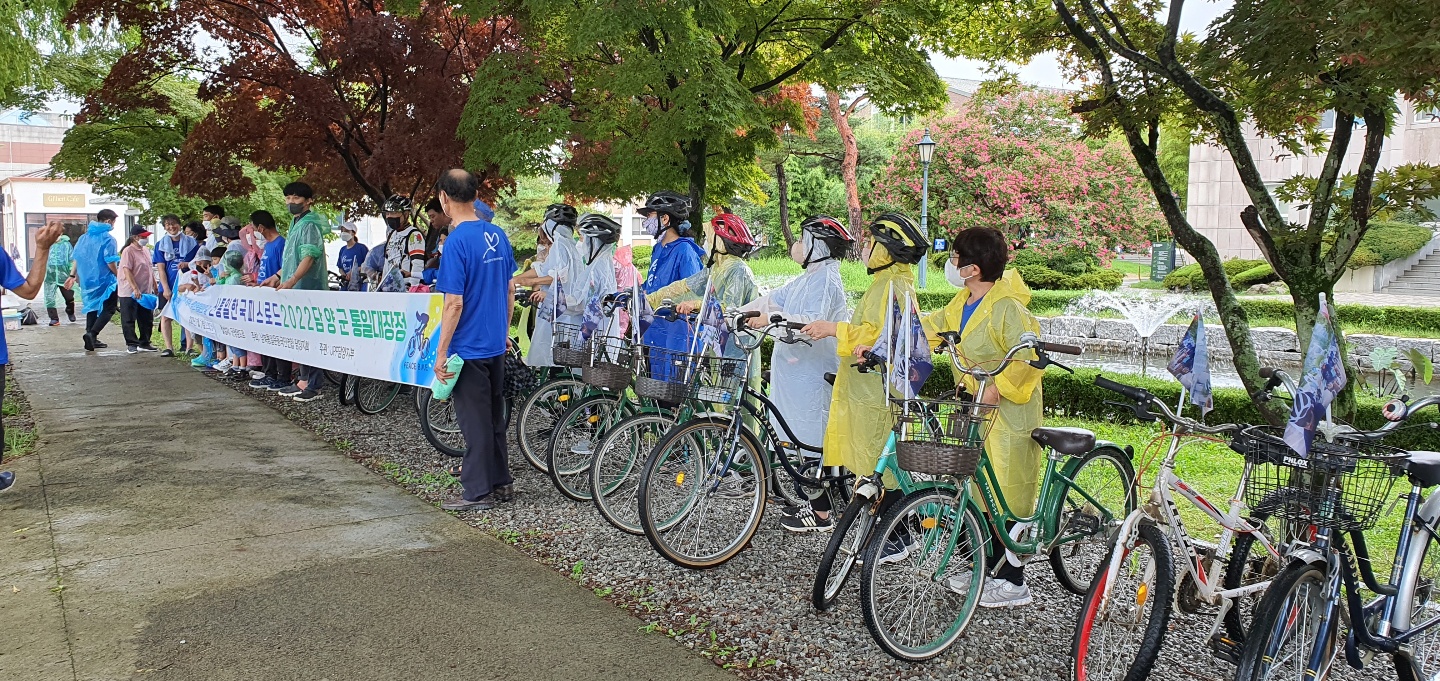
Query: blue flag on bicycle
x=913, y=362
x=713, y=333
x=644, y=314
x=592, y=319
x=1191, y=366
x=1323, y=378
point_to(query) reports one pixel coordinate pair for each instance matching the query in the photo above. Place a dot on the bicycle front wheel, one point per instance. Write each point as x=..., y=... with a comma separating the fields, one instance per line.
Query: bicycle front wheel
x=1122, y=622
x=702, y=493
x=572, y=447
x=847, y=541
x=924, y=568
x=1285, y=632
x=542, y=408
x=615, y=472
x=1100, y=495
x=1423, y=661
x=438, y=424
x=373, y=396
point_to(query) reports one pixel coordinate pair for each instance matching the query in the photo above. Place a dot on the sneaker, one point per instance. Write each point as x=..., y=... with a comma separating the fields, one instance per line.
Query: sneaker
x=145, y=348
x=167, y=352
x=132, y=349
x=255, y=375
x=306, y=395
x=460, y=503
x=807, y=522
x=7, y=480
x=897, y=547
x=203, y=361
x=54, y=322
x=261, y=383
x=223, y=366
x=98, y=344
x=960, y=583
x=71, y=315
x=582, y=447
x=89, y=342
x=289, y=390
x=1003, y=593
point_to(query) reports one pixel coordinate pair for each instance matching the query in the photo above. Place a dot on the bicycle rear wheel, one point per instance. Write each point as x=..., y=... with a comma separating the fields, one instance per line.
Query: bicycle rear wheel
x=1423, y=661
x=847, y=541
x=1121, y=624
x=914, y=607
x=702, y=493
x=542, y=408
x=374, y=396
x=1085, y=525
x=438, y=425
x=1245, y=568
x=1281, y=640
x=572, y=447
x=347, y=390
x=615, y=472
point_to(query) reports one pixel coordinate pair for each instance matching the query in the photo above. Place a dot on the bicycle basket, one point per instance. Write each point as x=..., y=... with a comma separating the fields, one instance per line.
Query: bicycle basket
x=1341, y=485
x=609, y=365
x=719, y=380
x=570, y=350
x=662, y=374
x=941, y=437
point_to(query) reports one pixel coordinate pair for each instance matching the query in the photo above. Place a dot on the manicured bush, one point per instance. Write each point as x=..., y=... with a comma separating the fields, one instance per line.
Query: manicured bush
x=642, y=257
x=1190, y=277
x=1040, y=277
x=1263, y=274
x=1386, y=242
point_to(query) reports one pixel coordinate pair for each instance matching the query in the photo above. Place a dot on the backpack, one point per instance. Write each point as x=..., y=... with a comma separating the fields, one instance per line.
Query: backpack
x=28, y=317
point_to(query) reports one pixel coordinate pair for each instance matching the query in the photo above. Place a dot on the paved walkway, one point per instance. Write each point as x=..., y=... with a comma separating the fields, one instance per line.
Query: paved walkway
x=171, y=529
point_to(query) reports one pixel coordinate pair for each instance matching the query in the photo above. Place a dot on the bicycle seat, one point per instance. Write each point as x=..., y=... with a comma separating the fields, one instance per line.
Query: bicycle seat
x=1423, y=467
x=830, y=377
x=1070, y=441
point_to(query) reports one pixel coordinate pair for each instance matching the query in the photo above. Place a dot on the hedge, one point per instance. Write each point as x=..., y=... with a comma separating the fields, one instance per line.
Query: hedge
x=1386, y=242
x=1192, y=278
x=1264, y=274
x=1040, y=277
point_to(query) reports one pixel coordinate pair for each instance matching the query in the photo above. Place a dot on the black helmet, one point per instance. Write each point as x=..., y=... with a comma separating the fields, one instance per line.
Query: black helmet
x=598, y=226
x=397, y=204
x=900, y=237
x=831, y=231
x=674, y=204
x=560, y=213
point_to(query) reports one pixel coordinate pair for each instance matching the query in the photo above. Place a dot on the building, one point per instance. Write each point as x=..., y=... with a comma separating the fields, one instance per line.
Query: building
x=28, y=142
x=30, y=201
x=1216, y=195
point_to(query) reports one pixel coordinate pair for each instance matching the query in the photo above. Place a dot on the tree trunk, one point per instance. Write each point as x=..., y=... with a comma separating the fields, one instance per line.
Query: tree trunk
x=782, y=185
x=695, y=158
x=851, y=161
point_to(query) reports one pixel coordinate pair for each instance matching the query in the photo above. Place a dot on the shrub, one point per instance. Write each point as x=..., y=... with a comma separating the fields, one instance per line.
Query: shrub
x=1190, y=277
x=1386, y=242
x=1263, y=274
x=1041, y=277
x=642, y=257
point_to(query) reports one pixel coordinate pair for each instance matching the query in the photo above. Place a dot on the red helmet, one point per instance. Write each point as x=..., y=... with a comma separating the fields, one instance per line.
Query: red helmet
x=738, y=239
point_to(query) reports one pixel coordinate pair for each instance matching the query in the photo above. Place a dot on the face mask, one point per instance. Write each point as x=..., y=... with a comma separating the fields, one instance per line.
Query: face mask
x=259, y=240
x=541, y=251
x=652, y=225
x=394, y=224
x=797, y=252
x=295, y=208
x=952, y=275
x=184, y=267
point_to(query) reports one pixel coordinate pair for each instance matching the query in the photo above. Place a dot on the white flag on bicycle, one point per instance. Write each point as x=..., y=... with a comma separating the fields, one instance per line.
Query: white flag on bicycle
x=1323, y=378
x=1191, y=366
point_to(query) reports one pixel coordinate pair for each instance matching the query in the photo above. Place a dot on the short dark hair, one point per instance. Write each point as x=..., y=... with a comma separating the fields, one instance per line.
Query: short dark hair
x=262, y=218
x=198, y=228
x=458, y=184
x=171, y=217
x=215, y=210
x=299, y=189
x=217, y=252
x=984, y=247
x=106, y=214
x=433, y=206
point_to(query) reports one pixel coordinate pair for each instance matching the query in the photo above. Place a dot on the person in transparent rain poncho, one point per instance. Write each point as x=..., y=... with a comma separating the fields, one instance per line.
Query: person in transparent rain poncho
x=726, y=270
x=598, y=236
x=553, y=272
x=797, y=370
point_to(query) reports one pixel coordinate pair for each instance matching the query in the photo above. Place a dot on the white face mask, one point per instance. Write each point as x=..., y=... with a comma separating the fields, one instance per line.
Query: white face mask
x=797, y=252
x=952, y=275
x=260, y=240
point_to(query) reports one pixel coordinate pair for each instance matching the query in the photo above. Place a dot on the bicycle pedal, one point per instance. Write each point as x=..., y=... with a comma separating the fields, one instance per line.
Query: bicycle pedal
x=1083, y=522
x=1225, y=649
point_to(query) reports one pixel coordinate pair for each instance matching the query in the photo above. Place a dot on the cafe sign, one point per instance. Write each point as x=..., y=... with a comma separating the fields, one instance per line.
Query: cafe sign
x=63, y=200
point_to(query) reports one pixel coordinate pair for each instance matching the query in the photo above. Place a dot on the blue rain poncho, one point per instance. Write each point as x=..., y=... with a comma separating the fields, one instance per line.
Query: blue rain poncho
x=57, y=269
x=93, y=255
x=670, y=263
x=564, y=265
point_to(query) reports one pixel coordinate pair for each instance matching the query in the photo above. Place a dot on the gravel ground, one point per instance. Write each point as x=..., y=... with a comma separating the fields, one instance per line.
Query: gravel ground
x=753, y=614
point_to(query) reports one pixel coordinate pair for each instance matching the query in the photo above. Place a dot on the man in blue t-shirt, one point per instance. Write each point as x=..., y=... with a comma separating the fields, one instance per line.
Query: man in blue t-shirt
x=277, y=371
x=352, y=256
x=474, y=325
x=170, y=250
x=26, y=287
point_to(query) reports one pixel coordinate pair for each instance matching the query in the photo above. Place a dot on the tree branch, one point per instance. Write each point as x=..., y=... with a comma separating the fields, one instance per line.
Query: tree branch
x=1324, y=195
x=1350, y=232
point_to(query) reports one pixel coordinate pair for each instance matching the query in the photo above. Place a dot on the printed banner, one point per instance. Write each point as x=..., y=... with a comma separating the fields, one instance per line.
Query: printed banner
x=385, y=336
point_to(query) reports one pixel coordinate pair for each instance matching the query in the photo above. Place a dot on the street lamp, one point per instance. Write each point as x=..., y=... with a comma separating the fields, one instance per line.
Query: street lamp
x=926, y=147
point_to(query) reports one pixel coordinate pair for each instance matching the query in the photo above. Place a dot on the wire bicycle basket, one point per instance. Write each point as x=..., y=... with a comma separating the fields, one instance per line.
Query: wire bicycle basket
x=609, y=363
x=941, y=437
x=1341, y=485
x=570, y=349
x=672, y=375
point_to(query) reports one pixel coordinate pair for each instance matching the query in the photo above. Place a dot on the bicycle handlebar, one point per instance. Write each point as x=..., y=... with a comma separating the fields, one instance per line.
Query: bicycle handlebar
x=1141, y=401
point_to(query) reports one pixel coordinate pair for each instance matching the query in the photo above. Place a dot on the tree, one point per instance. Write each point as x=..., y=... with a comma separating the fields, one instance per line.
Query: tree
x=1017, y=164
x=645, y=95
x=1269, y=67
x=360, y=100
x=25, y=26
x=840, y=115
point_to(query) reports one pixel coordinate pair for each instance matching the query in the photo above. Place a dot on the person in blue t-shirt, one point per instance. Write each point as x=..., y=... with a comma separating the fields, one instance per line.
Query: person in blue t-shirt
x=170, y=250
x=352, y=255
x=26, y=287
x=277, y=371
x=675, y=256
x=474, y=325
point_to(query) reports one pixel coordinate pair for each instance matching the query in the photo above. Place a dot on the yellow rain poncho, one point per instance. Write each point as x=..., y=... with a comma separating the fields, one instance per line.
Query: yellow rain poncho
x=995, y=327
x=860, y=422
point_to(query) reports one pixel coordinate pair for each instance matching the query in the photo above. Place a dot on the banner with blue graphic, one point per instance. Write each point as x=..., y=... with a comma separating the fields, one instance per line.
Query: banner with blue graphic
x=1191, y=366
x=1323, y=378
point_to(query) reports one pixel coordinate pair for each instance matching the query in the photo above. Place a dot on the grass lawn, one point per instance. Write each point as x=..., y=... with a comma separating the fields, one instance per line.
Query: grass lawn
x=1131, y=270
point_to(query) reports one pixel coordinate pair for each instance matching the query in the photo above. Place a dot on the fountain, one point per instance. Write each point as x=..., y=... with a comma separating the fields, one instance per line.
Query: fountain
x=1145, y=312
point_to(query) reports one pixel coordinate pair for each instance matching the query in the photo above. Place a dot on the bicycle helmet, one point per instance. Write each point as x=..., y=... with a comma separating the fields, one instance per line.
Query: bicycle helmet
x=731, y=229
x=900, y=237
x=397, y=204
x=560, y=213
x=598, y=231
x=831, y=231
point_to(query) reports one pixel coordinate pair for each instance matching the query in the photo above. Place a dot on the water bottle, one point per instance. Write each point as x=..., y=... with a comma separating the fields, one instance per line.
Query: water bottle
x=439, y=389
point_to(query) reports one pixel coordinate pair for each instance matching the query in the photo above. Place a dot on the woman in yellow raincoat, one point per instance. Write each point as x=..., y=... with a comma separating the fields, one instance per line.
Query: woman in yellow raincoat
x=859, y=422
x=991, y=315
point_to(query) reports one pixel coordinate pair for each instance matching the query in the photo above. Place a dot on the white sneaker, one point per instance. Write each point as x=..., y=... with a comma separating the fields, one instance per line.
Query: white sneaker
x=582, y=447
x=223, y=366
x=256, y=375
x=960, y=583
x=1002, y=593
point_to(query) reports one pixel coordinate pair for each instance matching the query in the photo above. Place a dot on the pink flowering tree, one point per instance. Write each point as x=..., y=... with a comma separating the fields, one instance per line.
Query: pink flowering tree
x=1017, y=164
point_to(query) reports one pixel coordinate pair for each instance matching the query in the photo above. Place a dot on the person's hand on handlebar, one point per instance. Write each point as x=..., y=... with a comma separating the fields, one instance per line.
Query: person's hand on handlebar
x=860, y=351
x=538, y=296
x=687, y=307
x=991, y=395
x=757, y=322
x=820, y=329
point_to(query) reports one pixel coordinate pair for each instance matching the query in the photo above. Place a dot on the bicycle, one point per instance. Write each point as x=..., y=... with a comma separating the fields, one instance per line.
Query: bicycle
x=1338, y=489
x=718, y=463
x=1142, y=556
x=537, y=416
x=928, y=553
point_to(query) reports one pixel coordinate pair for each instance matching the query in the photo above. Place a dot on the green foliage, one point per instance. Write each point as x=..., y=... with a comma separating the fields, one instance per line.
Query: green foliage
x=1386, y=242
x=1042, y=277
x=1174, y=157
x=642, y=257
x=1191, y=278
x=1262, y=274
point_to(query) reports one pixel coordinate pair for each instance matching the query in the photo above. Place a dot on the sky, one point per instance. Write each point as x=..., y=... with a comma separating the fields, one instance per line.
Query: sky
x=1045, y=70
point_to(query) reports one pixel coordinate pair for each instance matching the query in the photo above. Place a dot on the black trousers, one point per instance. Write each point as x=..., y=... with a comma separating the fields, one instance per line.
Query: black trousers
x=480, y=412
x=3, y=443
x=95, y=321
x=276, y=369
x=136, y=322
x=69, y=297
x=314, y=377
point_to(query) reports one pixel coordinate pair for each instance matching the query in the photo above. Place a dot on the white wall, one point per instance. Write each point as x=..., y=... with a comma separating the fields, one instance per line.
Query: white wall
x=24, y=196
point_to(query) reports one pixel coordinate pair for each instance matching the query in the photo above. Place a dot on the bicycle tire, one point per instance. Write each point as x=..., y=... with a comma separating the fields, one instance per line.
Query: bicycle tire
x=581, y=426
x=969, y=565
x=1423, y=659
x=334, y=378
x=1076, y=561
x=1241, y=570
x=842, y=552
x=347, y=390
x=438, y=424
x=615, y=473
x=538, y=415
x=1103, y=593
x=677, y=455
x=1254, y=655
x=373, y=396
